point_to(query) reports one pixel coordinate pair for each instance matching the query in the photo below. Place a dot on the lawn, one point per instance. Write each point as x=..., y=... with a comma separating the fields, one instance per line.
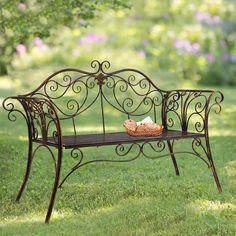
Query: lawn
x=143, y=197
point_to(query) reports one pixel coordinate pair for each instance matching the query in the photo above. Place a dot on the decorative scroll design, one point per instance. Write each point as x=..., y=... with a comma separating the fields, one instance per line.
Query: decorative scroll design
x=75, y=153
x=196, y=145
x=157, y=147
x=214, y=102
x=100, y=66
x=71, y=96
x=9, y=106
x=122, y=150
x=40, y=116
x=190, y=108
x=73, y=91
x=43, y=117
x=131, y=94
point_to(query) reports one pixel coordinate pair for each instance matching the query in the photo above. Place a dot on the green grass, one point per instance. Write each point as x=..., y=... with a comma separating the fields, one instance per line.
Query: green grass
x=143, y=197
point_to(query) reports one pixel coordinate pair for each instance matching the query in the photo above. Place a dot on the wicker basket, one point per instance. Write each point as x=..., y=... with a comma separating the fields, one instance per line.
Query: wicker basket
x=142, y=130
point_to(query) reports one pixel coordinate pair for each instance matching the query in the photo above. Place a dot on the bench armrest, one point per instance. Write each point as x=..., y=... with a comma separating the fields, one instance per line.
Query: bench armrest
x=40, y=115
x=190, y=109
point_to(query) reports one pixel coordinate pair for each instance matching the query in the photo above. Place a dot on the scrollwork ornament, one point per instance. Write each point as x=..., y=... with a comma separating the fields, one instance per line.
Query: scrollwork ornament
x=67, y=79
x=53, y=86
x=96, y=65
x=157, y=147
x=147, y=101
x=216, y=102
x=157, y=99
x=90, y=82
x=105, y=65
x=199, y=126
x=76, y=86
x=73, y=105
x=145, y=85
x=110, y=83
x=76, y=153
x=131, y=80
x=197, y=143
x=10, y=107
x=123, y=86
x=122, y=150
x=170, y=122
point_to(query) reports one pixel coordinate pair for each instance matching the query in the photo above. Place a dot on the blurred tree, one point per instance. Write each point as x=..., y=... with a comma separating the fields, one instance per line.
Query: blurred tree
x=21, y=21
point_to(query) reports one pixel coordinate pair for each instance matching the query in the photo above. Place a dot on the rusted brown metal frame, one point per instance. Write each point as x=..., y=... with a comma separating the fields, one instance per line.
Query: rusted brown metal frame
x=120, y=151
x=209, y=155
x=175, y=96
x=208, y=96
x=25, y=101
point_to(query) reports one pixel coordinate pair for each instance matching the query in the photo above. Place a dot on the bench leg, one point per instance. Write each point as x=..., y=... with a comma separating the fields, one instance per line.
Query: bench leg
x=173, y=157
x=27, y=171
x=55, y=186
x=213, y=169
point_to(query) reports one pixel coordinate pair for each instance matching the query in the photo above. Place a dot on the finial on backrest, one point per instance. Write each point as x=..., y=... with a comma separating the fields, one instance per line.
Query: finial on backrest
x=101, y=66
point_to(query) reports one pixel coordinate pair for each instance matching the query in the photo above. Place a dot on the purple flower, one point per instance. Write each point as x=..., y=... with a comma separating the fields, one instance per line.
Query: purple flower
x=226, y=57
x=210, y=57
x=233, y=58
x=92, y=38
x=38, y=42
x=229, y=57
x=202, y=16
x=205, y=17
x=195, y=47
x=141, y=54
x=186, y=45
x=21, y=6
x=179, y=43
x=20, y=49
x=216, y=20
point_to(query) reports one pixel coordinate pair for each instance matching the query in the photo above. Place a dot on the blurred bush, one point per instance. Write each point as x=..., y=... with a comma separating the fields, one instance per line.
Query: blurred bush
x=23, y=20
x=188, y=40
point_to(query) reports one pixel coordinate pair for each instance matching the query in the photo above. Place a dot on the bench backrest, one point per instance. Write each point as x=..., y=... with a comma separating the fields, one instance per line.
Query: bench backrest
x=75, y=92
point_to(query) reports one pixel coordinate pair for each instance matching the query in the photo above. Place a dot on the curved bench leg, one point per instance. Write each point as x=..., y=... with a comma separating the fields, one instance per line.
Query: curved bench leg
x=55, y=186
x=213, y=169
x=27, y=171
x=173, y=157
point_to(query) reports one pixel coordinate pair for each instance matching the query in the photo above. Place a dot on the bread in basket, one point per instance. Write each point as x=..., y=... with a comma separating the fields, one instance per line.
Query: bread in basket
x=142, y=129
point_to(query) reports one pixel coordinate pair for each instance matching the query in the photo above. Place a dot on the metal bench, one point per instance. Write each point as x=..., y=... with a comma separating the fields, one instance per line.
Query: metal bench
x=67, y=94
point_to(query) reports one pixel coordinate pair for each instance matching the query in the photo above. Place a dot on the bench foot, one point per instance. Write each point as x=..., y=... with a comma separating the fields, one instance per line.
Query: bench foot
x=216, y=178
x=212, y=166
x=27, y=172
x=173, y=157
x=55, y=186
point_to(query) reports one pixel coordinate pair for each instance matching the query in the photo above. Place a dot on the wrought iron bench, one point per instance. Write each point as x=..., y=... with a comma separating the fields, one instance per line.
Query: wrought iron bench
x=69, y=93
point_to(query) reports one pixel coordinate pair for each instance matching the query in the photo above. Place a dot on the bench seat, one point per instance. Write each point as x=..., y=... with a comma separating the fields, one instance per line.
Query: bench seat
x=89, y=140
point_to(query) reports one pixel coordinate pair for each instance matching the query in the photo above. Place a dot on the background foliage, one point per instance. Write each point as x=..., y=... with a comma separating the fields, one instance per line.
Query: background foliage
x=187, y=40
x=22, y=21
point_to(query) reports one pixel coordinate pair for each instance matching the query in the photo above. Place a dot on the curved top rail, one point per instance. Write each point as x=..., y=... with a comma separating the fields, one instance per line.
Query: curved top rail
x=100, y=68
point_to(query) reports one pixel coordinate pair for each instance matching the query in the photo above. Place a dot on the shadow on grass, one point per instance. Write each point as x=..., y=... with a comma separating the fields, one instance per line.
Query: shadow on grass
x=138, y=216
